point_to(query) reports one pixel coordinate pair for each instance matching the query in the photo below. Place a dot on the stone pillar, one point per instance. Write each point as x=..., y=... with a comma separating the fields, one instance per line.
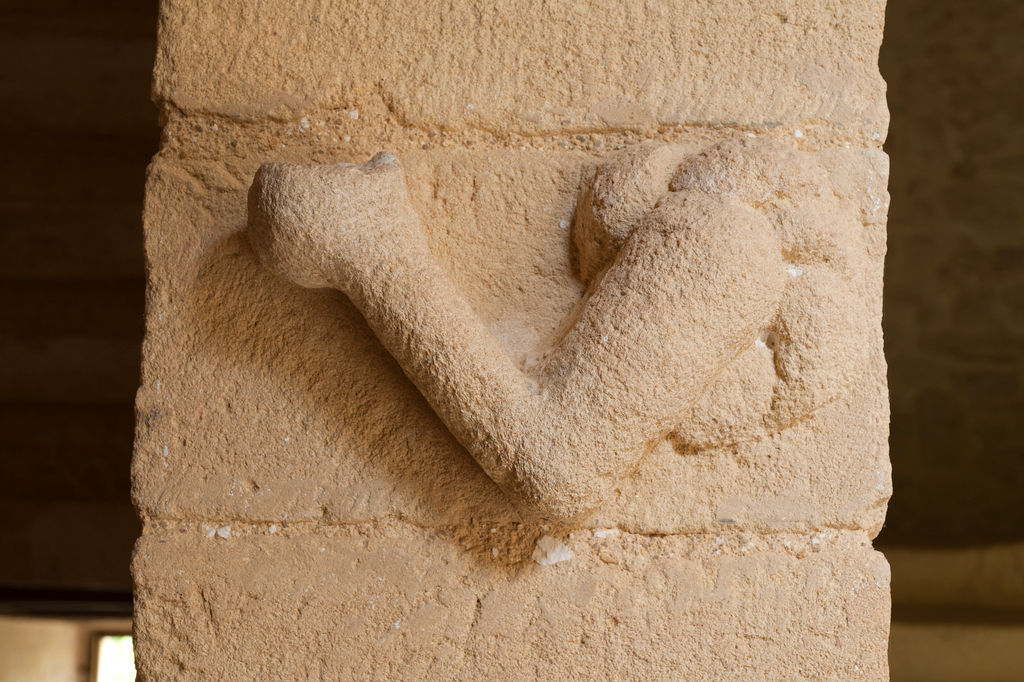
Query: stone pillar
x=474, y=461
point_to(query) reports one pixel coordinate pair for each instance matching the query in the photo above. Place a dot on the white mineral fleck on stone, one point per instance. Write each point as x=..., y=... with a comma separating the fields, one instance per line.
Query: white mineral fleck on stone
x=550, y=550
x=354, y=114
x=605, y=532
x=210, y=531
x=273, y=528
x=494, y=551
x=798, y=133
x=794, y=270
x=224, y=532
x=564, y=224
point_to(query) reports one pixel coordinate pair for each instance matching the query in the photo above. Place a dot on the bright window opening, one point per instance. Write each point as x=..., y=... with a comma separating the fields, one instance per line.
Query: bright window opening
x=115, y=659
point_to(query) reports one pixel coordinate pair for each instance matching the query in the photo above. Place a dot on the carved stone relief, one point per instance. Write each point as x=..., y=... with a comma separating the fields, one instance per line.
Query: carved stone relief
x=585, y=381
x=721, y=307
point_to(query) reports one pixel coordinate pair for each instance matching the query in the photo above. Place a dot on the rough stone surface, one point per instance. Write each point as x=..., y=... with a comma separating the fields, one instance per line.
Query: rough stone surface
x=362, y=539
x=395, y=602
x=530, y=66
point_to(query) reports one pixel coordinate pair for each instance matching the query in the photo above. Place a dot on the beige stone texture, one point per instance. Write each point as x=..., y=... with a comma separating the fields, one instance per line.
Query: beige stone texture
x=392, y=602
x=530, y=66
x=301, y=496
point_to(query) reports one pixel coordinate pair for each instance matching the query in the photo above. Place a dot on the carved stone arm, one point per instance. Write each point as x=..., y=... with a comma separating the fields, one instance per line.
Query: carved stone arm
x=684, y=295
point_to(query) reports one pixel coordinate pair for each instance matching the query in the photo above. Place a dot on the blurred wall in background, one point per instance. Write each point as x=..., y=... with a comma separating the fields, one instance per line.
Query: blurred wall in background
x=78, y=130
x=52, y=650
x=954, y=277
x=954, y=336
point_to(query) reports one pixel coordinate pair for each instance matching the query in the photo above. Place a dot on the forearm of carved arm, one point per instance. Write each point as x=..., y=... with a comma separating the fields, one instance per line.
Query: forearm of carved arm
x=352, y=228
x=456, y=363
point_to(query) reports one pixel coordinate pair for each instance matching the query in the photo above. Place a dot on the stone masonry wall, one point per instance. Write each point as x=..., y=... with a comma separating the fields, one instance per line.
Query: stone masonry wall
x=307, y=514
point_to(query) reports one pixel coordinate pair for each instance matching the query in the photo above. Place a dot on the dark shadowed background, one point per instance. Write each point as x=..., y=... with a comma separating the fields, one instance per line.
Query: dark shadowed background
x=954, y=276
x=77, y=132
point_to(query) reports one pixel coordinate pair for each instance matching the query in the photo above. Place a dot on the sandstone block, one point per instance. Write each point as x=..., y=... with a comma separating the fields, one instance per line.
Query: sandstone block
x=367, y=602
x=315, y=420
x=629, y=419
x=530, y=66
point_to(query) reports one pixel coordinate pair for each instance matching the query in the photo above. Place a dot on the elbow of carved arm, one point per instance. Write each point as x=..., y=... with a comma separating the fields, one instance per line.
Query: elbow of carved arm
x=555, y=481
